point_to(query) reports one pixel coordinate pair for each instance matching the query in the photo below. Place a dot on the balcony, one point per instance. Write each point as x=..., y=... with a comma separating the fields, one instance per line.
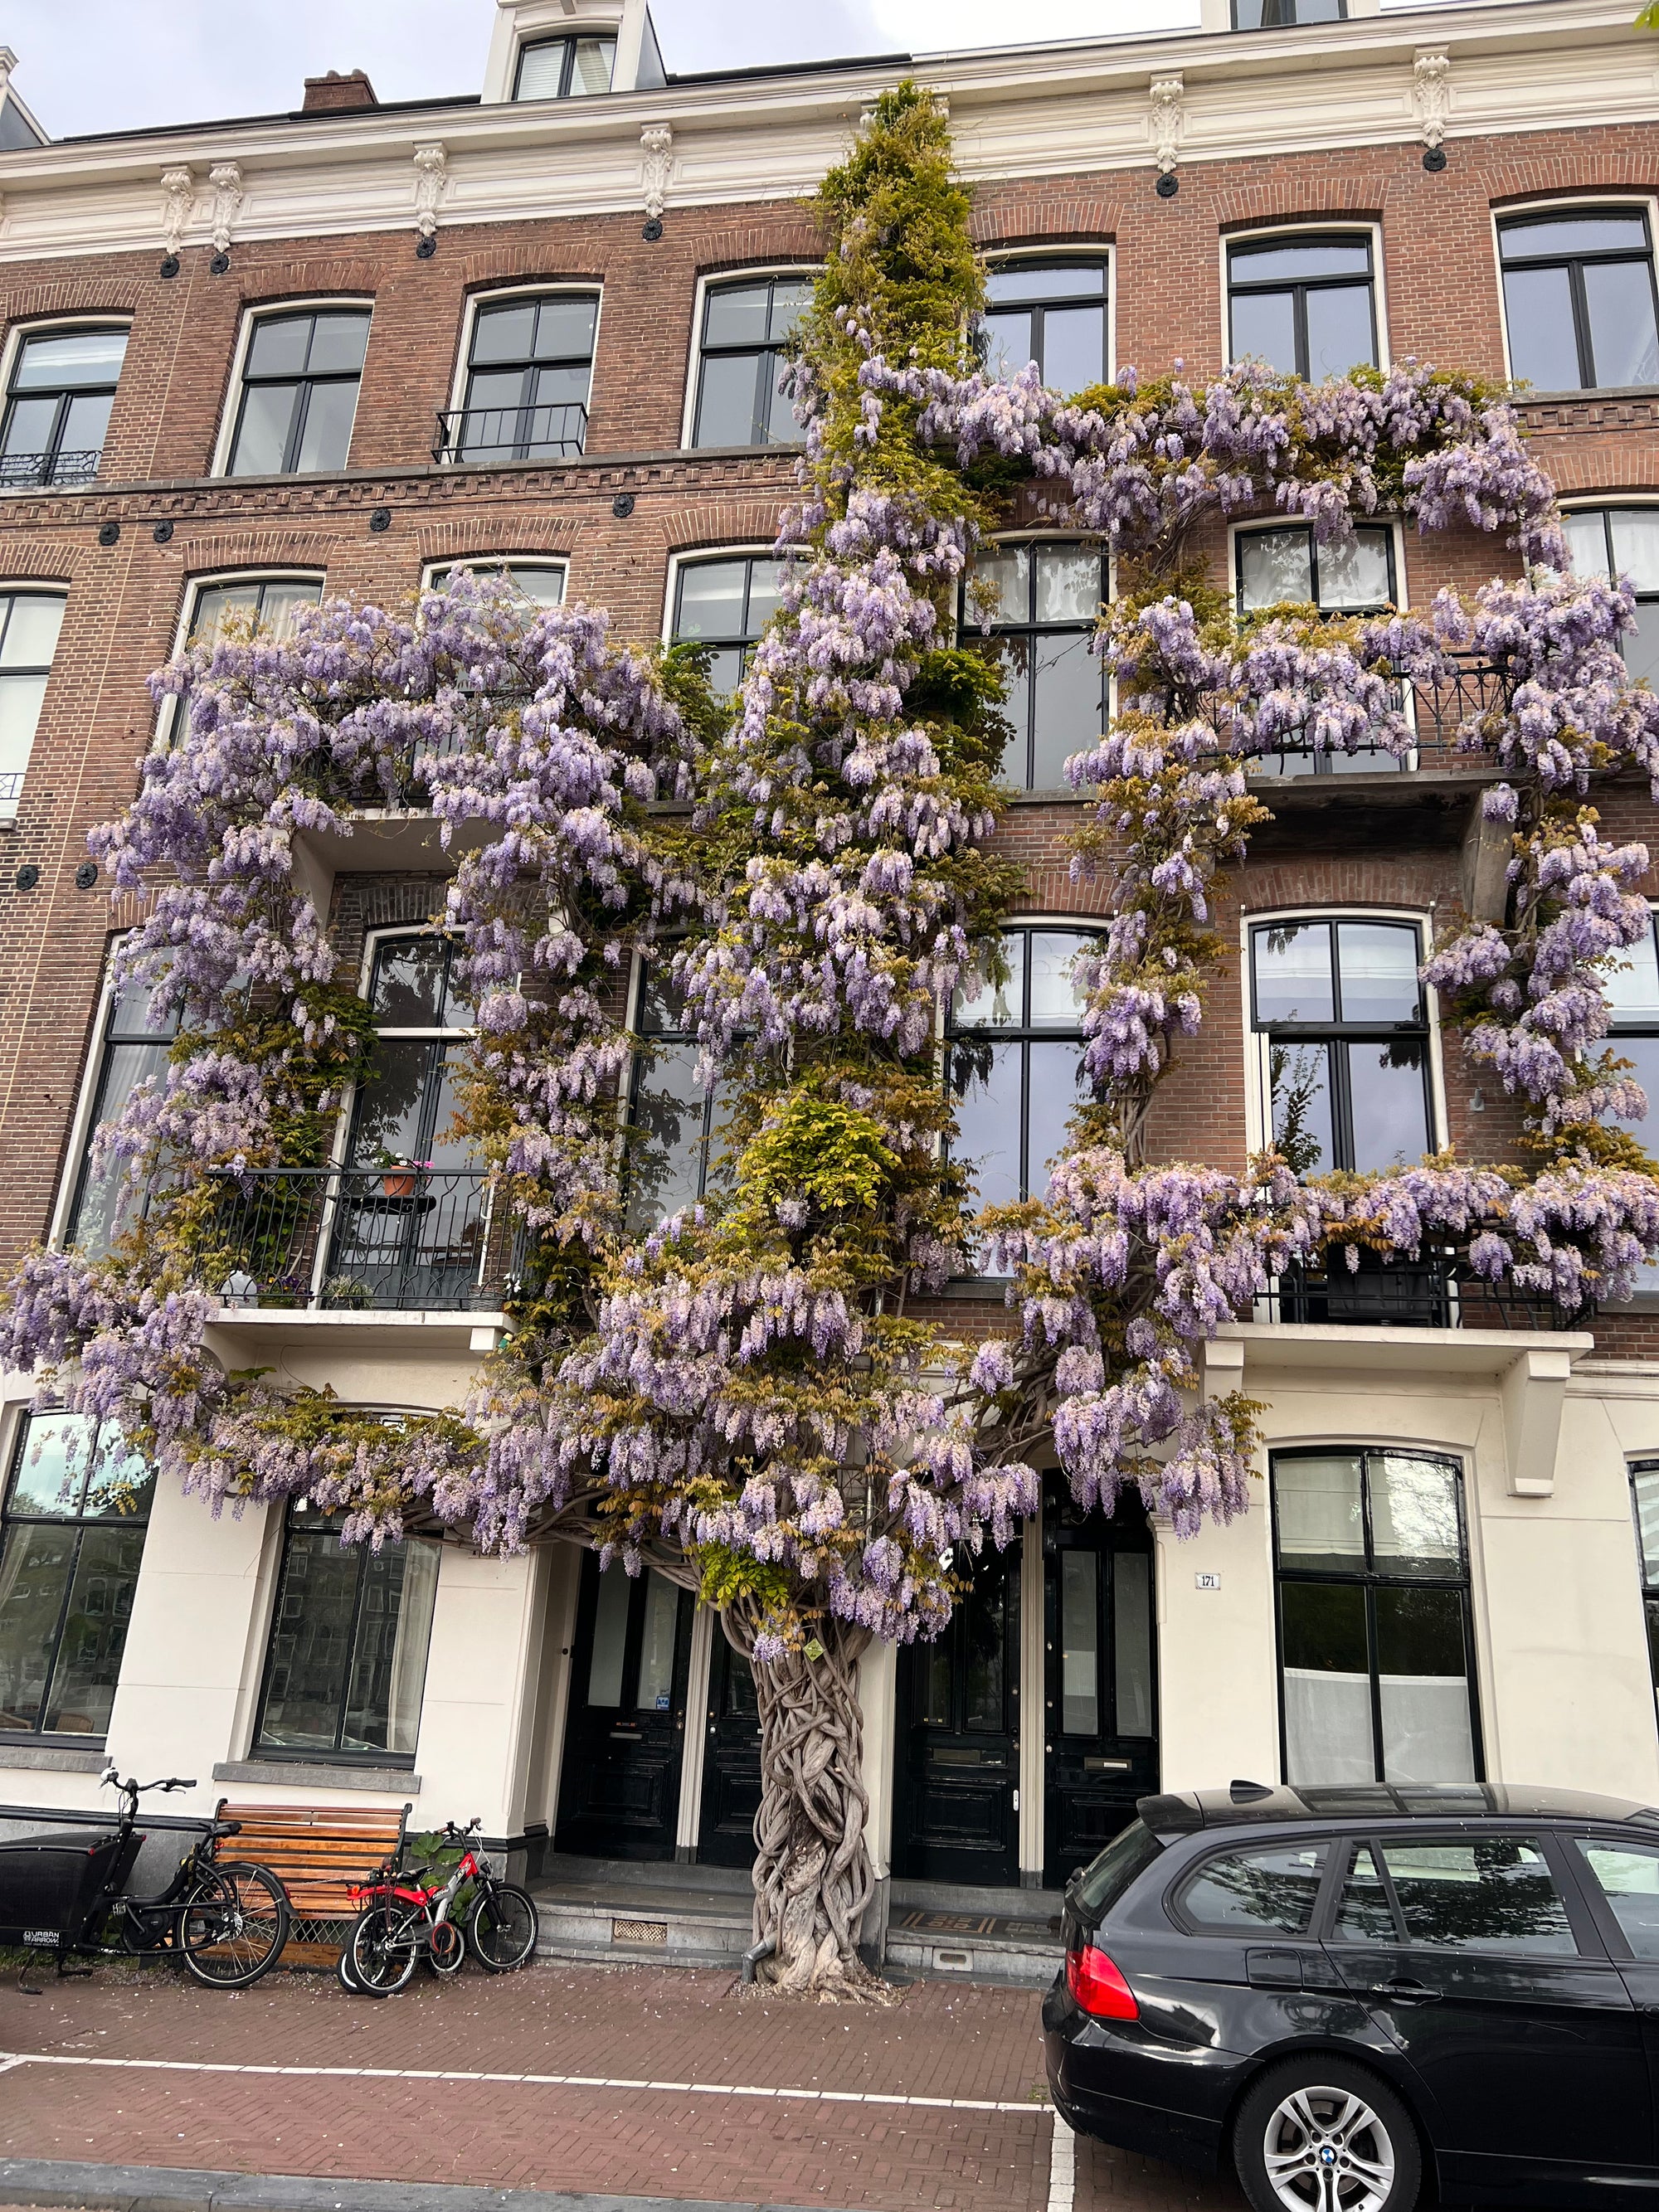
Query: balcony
x=1438, y=708
x=489, y=436
x=41, y=472
x=1437, y=1291
x=362, y=1240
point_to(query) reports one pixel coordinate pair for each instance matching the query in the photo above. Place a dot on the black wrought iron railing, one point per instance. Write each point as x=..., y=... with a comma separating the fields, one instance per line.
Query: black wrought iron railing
x=511, y=434
x=31, y=472
x=1437, y=1291
x=11, y=785
x=361, y=1240
x=1441, y=711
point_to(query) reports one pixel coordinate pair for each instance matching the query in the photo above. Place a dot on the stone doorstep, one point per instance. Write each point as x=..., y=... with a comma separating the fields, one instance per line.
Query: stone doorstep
x=1013, y=1961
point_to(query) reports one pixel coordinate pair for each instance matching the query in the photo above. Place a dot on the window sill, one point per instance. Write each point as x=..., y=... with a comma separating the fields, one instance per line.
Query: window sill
x=1587, y=392
x=53, y=1758
x=1062, y=796
x=319, y=1774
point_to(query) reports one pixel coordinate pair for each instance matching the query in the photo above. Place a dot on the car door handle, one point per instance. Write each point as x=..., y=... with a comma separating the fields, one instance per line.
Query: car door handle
x=1405, y=1993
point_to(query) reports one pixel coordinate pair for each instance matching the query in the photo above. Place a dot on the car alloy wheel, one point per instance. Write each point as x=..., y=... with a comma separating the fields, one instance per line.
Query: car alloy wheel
x=1326, y=2150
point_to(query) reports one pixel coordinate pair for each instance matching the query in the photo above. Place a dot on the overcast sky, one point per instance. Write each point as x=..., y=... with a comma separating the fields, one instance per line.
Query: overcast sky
x=121, y=64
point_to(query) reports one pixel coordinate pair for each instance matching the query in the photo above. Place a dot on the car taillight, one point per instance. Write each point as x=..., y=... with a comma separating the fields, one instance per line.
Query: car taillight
x=1098, y=1986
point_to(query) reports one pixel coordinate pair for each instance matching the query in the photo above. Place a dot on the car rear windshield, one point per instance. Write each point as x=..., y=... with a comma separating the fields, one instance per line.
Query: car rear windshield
x=1102, y=1883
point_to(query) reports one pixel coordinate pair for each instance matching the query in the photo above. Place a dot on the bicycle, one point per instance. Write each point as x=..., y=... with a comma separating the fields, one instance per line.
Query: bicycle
x=228, y=1920
x=406, y=1921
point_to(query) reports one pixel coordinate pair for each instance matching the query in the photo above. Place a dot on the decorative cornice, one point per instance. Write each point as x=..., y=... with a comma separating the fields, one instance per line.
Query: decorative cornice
x=226, y=178
x=431, y=179
x=1166, y=119
x=657, y=144
x=1431, y=92
x=178, y=200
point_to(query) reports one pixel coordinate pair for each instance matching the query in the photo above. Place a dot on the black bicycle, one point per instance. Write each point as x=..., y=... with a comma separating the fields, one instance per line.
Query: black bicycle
x=64, y=1892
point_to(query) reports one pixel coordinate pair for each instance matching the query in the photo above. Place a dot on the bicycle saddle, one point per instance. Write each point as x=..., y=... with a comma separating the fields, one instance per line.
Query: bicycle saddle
x=224, y=1828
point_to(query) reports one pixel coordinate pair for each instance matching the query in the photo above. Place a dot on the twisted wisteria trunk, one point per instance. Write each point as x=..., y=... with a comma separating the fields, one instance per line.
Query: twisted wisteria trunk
x=812, y=1873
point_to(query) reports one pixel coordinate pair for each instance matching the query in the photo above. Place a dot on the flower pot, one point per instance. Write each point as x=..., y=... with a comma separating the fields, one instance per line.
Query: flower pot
x=399, y=1183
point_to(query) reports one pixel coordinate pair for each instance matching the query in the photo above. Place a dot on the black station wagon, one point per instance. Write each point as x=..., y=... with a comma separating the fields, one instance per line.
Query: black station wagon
x=1349, y=1994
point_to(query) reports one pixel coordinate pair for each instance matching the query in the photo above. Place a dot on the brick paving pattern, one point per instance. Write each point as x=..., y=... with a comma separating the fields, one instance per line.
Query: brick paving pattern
x=940, y=2041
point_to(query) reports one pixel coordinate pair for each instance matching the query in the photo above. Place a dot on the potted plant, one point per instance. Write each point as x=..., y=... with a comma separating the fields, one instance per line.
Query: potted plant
x=400, y=1178
x=349, y=1292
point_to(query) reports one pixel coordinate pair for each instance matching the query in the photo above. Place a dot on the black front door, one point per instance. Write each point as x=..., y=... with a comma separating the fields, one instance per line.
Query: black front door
x=956, y=1813
x=1099, y=1716
x=619, y=1784
x=730, y=1760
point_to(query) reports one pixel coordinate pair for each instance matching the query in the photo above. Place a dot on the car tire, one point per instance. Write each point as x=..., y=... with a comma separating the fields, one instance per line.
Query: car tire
x=1309, y=2116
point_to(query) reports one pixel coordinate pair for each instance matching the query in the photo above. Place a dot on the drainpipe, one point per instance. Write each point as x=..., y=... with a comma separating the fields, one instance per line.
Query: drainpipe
x=752, y=1957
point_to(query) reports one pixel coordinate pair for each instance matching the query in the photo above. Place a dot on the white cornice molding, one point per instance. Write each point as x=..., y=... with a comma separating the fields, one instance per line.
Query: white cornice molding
x=1017, y=112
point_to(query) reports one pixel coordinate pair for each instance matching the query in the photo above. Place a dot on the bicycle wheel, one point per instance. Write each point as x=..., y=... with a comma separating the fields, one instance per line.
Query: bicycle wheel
x=445, y=1948
x=344, y=1972
x=385, y=1944
x=233, y=1926
x=503, y=1927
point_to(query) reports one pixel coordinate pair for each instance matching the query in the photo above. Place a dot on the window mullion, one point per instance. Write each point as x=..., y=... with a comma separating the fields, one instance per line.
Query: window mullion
x=351, y=1667
x=50, y=1672
x=1378, y=1761
x=296, y=428
x=1300, y=294
x=1581, y=324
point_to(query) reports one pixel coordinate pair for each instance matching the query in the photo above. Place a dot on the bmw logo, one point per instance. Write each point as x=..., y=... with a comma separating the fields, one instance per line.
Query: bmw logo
x=1326, y=2154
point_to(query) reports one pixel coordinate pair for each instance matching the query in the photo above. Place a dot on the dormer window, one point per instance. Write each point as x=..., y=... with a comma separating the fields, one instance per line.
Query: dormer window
x=564, y=69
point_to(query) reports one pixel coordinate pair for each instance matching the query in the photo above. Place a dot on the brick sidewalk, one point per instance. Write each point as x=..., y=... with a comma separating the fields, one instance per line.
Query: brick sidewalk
x=660, y=2024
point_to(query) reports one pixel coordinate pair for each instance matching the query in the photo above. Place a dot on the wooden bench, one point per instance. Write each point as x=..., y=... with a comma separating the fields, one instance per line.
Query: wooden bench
x=318, y=1853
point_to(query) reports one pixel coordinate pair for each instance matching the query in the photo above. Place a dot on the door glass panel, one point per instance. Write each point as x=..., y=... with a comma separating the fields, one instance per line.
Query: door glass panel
x=1363, y=1915
x=1299, y=1077
x=1079, y=1644
x=1389, y=1104
x=1493, y=1894
x=1327, y=1686
x=1414, y=1524
x=933, y=1684
x=740, y=1702
x=604, y=1666
x=1320, y=1516
x=662, y=1608
x=1293, y=973
x=1132, y=1640
x=987, y=1606
x=1628, y=1877
x=1275, y=1887
x=389, y=1115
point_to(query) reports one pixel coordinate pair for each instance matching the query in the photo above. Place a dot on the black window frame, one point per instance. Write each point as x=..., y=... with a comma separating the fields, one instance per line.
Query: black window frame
x=1245, y=533
x=1642, y=1024
x=250, y=379
x=569, y=40
x=1247, y=241
x=12, y=780
x=1647, y=1571
x=1238, y=1846
x=767, y=352
x=1604, y=513
x=1097, y=259
x=49, y=455
x=116, y=1031
x=324, y=1526
x=1574, y=1885
x=458, y=447
x=259, y=581
x=1575, y=263
x=1341, y=1032
x=659, y=954
x=1030, y=632
x=1294, y=20
x=1372, y=1579
x=743, y=640
x=81, y=1522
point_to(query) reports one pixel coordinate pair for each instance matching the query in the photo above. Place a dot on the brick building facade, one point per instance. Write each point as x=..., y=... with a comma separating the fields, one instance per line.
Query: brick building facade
x=1393, y=154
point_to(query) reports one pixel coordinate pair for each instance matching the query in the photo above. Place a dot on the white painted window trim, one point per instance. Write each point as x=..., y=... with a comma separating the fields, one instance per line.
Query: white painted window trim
x=691, y=556
x=1285, y=226
x=482, y=563
x=231, y=411
x=1257, y=1116
x=79, y=1130
x=38, y=326
x=1075, y=249
x=492, y=296
x=716, y=280
x=45, y=587
x=1561, y=204
x=166, y=714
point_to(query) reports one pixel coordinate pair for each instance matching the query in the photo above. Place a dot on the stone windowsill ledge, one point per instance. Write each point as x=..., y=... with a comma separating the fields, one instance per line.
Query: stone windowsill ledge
x=321, y=1775
x=53, y=1758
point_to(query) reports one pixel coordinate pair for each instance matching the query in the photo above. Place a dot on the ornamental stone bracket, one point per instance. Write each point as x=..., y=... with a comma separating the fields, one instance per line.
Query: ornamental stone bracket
x=431, y=182
x=1166, y=120
x=226, y=178
x=178, y=204
x=1432, y=94
x=656, y=169
x=1533, y=1391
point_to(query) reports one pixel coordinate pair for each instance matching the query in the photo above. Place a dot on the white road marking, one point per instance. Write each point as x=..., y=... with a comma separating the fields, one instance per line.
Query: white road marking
x=549, y=2081
x=1062, y=2167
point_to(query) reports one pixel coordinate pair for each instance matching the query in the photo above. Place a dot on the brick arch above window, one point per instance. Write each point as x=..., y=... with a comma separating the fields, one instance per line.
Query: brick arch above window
x=310, y=277
x=1566, y=175
x=85, y=295
x=47, y=561
x=508, y=534
x=1279, y=200
x=709, y=529
x=255, y=549
x=487, y=267
x=1004, y=217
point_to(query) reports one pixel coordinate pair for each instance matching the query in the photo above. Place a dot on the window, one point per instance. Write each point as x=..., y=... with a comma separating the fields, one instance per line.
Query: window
x=1578, y=298
x=1275, y=1886
x=1015, y=1064
x=70, y=1554
x=1623, y=541
x=1289, y=567
x=530, y=363
x=564, y=69
x=29, y=623
x=1305, y=305
x=1345, y=1043
x=1106, y=1880
x=1042, y=623
x=1052, y=313
x=1644, y=1498
x=1484, y=1894
x=411, y=1224
x=1285, y=15
x=349, y=1638
x=273, y=601
x=541, y=582
x=134, y=1049
x=1626, y=1877
x=299, y=391
x=1373, y=1618
x=725, y=604
x=58, y=404
x=739, y=358
x=1632, y=990
x=677, y=1127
